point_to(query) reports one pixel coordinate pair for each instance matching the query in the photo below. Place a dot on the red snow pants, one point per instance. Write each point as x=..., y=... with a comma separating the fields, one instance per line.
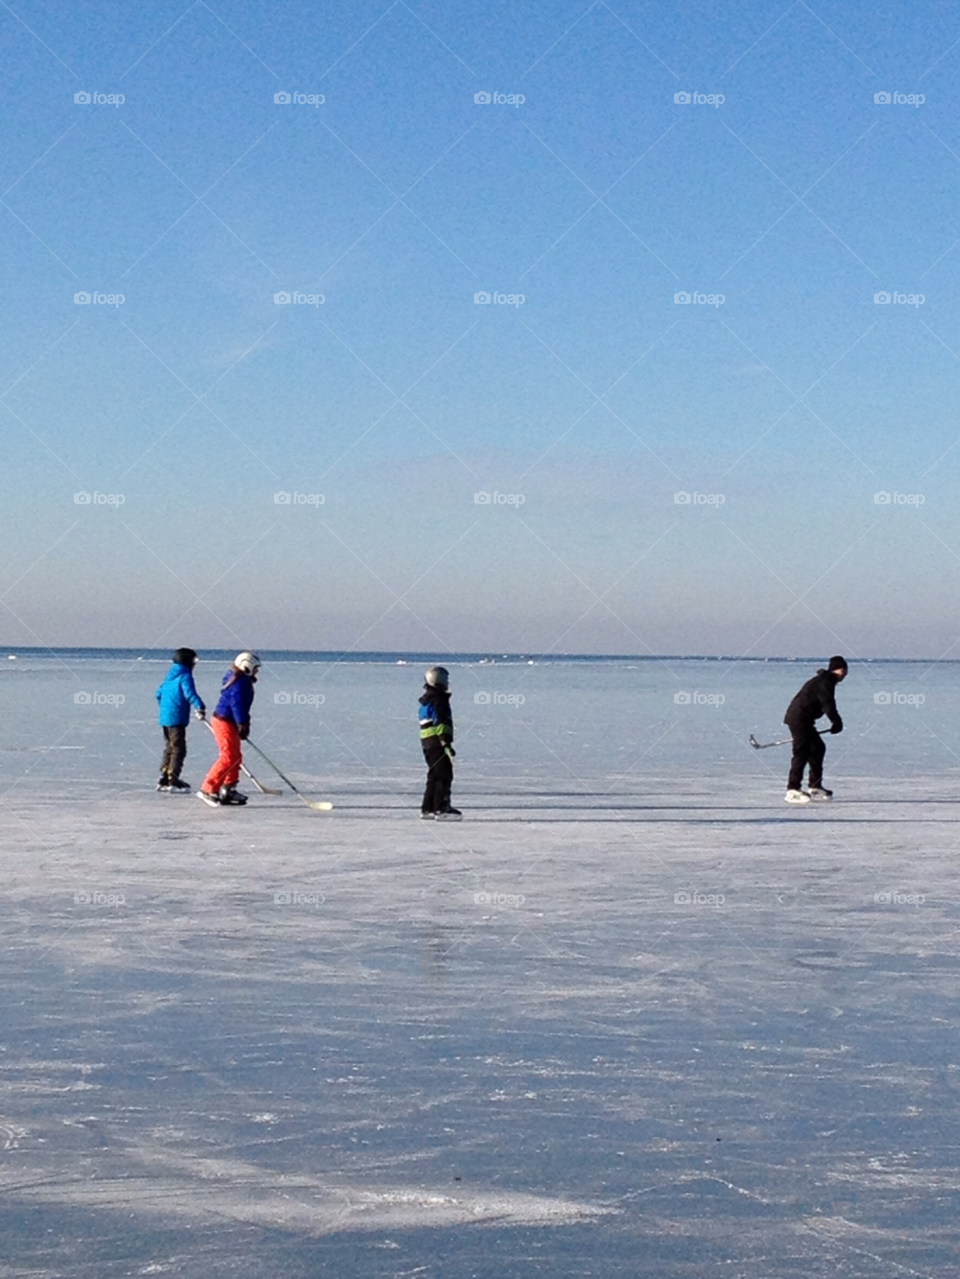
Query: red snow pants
x=226, y=770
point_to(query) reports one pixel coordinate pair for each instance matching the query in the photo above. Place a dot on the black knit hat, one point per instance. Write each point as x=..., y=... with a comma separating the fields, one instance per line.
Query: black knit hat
x=185, y=657
x=837, y=664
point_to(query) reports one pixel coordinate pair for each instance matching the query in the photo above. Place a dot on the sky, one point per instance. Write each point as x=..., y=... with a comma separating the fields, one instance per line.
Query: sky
x=582, y=464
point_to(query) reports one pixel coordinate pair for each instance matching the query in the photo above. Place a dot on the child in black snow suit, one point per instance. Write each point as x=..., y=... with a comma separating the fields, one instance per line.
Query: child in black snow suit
x=816, y=698
x=436, y=738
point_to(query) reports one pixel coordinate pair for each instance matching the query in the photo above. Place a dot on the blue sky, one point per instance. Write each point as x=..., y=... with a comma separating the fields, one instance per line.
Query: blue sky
x=596, y=400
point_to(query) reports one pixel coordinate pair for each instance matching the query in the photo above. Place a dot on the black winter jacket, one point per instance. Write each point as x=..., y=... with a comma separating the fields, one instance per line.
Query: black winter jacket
x=816, y=698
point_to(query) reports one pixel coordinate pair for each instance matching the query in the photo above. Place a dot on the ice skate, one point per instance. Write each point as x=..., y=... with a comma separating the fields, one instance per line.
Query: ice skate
x=164, y=783
x=427, y=817
x=448, y=814
x=797, y=797
x=209, y=798
x=177, y=783
x=230, y=795
x=820, y=792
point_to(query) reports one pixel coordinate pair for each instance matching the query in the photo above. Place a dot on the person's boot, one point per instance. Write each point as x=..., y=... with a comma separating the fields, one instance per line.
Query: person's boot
x=820, y=792
x=426, y=816
x=797, y=797
x=164, y=783
x=230, y=795
x=209, y=797
x=449, y=814
x=177, y=783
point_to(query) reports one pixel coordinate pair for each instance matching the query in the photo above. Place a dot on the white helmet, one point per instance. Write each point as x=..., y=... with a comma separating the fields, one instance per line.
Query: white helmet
x=246, y=662
x=437, y=677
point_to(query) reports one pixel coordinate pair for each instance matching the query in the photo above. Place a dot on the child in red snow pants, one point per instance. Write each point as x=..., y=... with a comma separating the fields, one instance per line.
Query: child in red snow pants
x=226, y=770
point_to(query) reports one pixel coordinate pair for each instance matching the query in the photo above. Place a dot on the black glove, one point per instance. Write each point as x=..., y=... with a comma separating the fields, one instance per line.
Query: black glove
x=243, y=731
x=450, y=751
x=836, y=728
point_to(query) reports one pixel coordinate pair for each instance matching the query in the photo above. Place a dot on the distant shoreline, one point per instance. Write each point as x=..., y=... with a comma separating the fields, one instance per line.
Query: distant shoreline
x=384, y=657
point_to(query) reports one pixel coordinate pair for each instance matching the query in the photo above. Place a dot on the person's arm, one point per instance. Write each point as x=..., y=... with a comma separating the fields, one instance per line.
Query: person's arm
x=192, y=696
x=830, y=710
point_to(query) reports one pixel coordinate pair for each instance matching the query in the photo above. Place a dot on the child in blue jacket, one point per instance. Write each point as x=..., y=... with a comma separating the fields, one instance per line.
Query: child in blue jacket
x=176, y=695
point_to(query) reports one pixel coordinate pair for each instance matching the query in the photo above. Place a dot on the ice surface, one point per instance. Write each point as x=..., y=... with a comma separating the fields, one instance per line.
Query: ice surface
x=497, y=1048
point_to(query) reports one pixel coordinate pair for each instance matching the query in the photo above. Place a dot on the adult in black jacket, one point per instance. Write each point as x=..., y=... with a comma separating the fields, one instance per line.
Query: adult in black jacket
x=816, y=698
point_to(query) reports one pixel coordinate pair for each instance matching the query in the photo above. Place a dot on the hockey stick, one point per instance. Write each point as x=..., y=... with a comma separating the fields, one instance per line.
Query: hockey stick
x=762, y=746
x=264, y=790
x=322, y=805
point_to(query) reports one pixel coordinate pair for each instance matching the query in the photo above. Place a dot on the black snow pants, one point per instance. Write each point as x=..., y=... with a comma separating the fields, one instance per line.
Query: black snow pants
x=175, y=750
x=436, y=795
x=808, y=748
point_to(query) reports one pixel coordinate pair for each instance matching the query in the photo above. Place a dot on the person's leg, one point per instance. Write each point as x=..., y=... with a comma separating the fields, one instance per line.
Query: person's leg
x=801, y=751
x=234, y=758
x=444, y=775
x=228, y=740
x=167, y=762
x=815, y=753
x=178, y=750
x=432, y=791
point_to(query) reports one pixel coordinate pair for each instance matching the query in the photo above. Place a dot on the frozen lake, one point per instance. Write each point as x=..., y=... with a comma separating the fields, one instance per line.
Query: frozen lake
x=634, y=1016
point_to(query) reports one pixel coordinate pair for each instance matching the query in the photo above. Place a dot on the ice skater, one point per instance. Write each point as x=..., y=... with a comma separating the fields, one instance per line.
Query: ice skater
x=816, y=698
x=176, y=695
x=436, y=738
x=231, y=726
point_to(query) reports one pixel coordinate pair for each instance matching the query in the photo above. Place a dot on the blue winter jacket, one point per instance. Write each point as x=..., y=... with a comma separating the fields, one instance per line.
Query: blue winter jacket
x=236, y=697
x=176, y=695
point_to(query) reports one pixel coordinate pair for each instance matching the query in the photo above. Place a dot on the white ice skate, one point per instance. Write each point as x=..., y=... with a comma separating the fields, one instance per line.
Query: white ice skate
x=797, y=797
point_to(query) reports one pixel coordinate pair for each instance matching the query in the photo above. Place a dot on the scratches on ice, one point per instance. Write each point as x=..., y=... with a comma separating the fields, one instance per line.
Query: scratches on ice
x=166, y=1185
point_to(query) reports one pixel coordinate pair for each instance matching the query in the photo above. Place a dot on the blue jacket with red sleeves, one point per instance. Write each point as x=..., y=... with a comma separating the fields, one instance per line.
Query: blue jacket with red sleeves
x=236, y=697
